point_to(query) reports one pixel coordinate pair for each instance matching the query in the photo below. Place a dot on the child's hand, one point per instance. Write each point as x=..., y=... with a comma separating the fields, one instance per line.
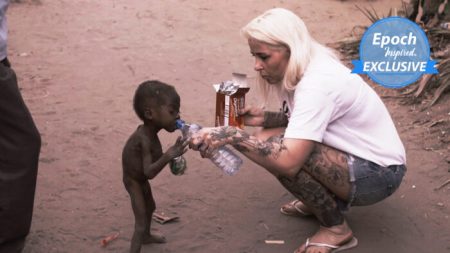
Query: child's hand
x=180, y=147
x=253, y=116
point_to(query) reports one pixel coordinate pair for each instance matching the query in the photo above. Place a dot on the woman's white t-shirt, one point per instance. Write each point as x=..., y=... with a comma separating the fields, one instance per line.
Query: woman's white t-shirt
x=332, y=106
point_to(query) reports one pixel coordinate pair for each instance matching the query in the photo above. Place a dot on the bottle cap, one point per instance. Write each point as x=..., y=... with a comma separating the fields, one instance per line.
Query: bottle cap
x=180, y=123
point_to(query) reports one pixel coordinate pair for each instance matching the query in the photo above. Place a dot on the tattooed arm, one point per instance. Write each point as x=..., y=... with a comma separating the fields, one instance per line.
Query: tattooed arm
x=279, y=156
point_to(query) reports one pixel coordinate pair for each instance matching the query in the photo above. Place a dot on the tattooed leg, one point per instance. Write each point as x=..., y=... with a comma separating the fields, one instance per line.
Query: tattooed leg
x=329, y=166
x=315, y=196
x=324, y=176
x=320, y=200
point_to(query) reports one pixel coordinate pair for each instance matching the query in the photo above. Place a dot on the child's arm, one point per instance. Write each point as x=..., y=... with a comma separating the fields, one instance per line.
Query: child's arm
x=152, y=168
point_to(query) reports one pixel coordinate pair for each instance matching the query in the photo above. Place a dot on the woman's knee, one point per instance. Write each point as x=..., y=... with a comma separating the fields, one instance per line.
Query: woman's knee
x=326, y=156
x=329, y=166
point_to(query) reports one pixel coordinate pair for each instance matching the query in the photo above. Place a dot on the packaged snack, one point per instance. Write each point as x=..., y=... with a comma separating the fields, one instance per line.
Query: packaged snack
x=230, y=98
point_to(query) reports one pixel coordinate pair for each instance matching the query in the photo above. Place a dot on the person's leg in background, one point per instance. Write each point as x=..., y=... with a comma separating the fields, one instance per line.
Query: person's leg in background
x=20, y=144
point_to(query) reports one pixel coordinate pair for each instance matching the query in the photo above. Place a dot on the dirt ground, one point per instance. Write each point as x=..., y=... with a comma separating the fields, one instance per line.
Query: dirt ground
x=78, y=64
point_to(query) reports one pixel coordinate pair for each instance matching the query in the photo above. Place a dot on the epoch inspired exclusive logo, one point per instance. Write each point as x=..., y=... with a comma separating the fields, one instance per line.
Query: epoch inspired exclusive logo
x=394, y=52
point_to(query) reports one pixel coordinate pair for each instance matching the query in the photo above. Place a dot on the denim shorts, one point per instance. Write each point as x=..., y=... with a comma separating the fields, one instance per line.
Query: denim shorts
x=371, y=182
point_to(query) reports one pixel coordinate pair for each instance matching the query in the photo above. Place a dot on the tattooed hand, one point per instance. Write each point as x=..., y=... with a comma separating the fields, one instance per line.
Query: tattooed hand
x=211, y=137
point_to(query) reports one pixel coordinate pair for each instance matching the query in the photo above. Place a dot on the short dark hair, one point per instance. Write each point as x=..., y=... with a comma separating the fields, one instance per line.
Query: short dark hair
x=151, y=93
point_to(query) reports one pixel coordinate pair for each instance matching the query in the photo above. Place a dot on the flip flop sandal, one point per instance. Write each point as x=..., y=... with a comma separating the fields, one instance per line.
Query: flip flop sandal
x=335, y=248
x=293, y=208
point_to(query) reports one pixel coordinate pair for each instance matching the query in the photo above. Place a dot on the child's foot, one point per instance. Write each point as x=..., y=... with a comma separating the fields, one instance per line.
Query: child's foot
x=154, y=238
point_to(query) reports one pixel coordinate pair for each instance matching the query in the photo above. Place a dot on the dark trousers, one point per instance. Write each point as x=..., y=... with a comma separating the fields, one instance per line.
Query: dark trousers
x=20, y=145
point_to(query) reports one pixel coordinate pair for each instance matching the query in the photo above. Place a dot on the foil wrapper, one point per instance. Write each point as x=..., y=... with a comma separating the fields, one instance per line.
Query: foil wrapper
x=230, y=98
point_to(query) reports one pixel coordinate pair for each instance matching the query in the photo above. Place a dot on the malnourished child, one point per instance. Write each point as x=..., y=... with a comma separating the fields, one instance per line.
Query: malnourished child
x=158, y=105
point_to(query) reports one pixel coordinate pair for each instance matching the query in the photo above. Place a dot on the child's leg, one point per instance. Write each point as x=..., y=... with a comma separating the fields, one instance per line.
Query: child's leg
x=136, y=192
x=150, y=208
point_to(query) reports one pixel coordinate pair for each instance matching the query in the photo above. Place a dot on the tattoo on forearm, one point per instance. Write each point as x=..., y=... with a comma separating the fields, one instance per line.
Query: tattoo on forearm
x=244, y=142
x=273, y=146
x=275, y=119
x=224, y=133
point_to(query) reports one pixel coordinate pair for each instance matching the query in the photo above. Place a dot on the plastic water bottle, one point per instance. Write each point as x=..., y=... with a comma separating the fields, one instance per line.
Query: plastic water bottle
x=222, y=157
x=178, y=165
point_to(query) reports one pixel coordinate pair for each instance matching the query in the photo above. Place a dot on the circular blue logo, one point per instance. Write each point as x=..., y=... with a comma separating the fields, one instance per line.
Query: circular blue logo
x=394, y=52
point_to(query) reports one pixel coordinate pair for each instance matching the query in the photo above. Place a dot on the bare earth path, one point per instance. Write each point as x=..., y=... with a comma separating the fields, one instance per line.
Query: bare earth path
x=78, y=63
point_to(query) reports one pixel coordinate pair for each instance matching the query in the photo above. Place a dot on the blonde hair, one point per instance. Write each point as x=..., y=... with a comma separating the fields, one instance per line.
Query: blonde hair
x=281, y=27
